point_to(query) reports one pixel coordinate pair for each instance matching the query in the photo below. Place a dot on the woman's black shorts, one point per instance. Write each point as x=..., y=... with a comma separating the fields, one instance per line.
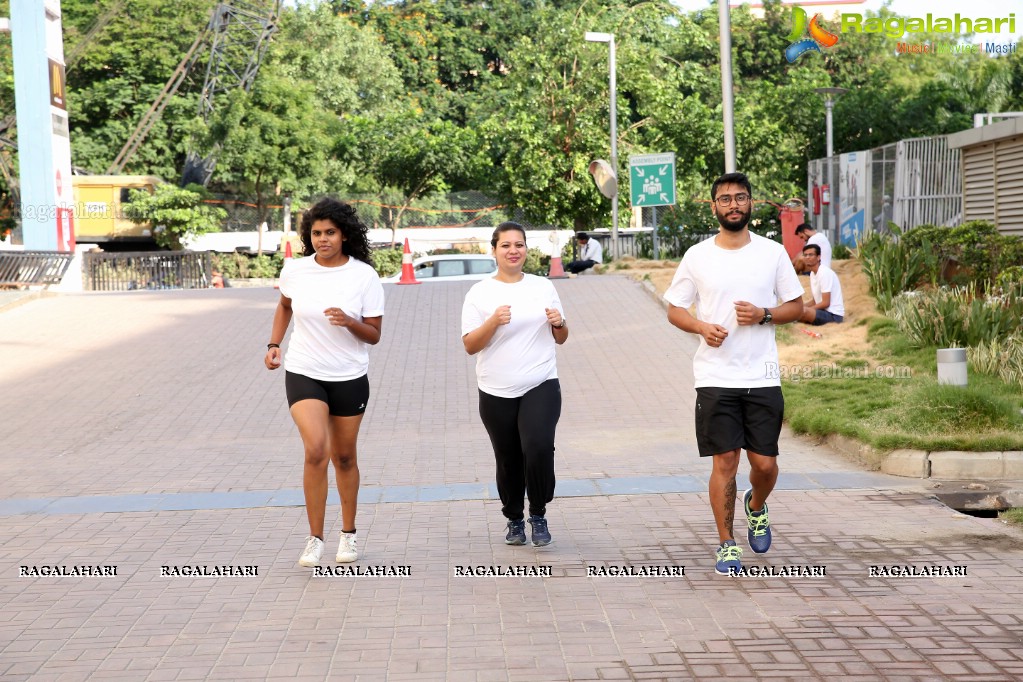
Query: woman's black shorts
x=343, y=398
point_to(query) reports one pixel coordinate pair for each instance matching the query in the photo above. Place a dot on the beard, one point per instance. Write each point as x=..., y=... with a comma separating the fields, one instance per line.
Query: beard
x=735, y=224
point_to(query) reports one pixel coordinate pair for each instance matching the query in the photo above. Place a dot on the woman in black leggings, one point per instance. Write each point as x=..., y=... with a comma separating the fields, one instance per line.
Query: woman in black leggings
x=513, y=321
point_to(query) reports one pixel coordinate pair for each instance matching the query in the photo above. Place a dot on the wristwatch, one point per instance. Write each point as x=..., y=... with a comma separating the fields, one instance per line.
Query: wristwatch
x=767, y=317
x=562, y=325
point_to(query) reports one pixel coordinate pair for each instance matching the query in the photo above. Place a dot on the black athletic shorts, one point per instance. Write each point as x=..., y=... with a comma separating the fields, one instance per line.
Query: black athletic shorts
x=343, y=398
x=732, y=418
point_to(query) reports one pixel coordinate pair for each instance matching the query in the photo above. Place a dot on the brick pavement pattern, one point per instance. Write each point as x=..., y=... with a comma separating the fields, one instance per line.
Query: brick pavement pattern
x=163, y=393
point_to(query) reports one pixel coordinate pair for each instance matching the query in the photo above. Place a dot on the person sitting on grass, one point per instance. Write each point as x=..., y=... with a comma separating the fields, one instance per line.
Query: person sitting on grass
x=827, y=305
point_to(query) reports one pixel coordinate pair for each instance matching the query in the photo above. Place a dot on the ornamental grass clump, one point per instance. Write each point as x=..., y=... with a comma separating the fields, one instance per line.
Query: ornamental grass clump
x=951, y=317
x=1002, y=358
x=893, y=266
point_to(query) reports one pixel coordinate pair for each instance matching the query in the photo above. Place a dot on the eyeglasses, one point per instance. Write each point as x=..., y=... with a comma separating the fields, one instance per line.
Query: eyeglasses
x=726, y=200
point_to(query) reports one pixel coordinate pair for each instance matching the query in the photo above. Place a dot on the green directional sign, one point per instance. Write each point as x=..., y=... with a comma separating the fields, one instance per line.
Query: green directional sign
x=652, y=179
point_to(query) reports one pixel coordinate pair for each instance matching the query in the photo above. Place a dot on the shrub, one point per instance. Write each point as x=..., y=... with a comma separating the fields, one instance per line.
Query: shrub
x=958, y=316
x=175, y=213
x=537, y=262
x=1002, y=358
x=245, y=266
x=1009, y=276
x=894, y=265
x=841, y=252
x=386, y=261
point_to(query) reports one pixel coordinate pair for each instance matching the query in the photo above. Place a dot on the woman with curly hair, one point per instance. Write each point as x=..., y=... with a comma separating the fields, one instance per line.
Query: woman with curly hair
x=335, y=297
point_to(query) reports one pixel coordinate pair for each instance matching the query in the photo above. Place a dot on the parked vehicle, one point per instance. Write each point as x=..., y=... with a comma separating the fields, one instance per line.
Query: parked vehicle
x=450, y=267
x=99, y=212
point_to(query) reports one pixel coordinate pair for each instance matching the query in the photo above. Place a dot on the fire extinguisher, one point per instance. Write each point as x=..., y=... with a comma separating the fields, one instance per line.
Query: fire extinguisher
x=816, y=199
x=826, y=195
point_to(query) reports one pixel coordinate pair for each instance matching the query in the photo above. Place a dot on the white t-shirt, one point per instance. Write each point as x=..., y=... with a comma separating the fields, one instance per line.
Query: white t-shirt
x=592, y=251
x=822, y=241
x=520, y=356
x=826, y=281
x=318, y=349
x=714, y=279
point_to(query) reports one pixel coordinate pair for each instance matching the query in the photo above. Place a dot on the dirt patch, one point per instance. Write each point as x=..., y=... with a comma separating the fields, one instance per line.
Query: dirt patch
x=795, y=346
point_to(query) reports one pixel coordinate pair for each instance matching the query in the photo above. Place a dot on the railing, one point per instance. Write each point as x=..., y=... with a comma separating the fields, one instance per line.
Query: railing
x=146, y=270
x=32, y=268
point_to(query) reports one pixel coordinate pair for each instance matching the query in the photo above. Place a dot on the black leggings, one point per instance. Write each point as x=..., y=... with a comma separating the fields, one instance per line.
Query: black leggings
x=522, y=433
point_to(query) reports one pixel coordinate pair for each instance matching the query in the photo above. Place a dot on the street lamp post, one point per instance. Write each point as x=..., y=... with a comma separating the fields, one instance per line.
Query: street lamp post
x=609, y=38
x=830, y=94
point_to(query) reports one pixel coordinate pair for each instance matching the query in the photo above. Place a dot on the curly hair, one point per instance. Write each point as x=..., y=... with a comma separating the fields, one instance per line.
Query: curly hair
x=342, y=215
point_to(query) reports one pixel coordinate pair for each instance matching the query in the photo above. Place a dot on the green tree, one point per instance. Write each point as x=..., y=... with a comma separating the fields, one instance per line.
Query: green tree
x=272, y=141
x=175, y=213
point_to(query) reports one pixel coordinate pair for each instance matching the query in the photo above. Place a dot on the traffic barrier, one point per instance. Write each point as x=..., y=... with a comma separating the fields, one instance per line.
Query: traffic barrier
x=408, y=274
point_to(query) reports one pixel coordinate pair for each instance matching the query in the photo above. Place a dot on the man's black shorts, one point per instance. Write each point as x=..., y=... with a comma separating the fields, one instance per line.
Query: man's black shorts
x=343, y=398
x=732, y=418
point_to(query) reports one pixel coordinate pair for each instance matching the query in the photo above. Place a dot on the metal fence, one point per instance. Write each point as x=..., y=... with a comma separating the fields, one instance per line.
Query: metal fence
x=32, y=268
x=382, y=211
x=103, y=271
x=909, y=183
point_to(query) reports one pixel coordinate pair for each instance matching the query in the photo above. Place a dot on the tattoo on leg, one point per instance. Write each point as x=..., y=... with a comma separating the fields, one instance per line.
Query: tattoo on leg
x=730, y=506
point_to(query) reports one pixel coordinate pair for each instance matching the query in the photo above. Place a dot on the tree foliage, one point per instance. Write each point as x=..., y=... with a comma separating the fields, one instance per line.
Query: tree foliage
x=175, y=213
x=404, y=99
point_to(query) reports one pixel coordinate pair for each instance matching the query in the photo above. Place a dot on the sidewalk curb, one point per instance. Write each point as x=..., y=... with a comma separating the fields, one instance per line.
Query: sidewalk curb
x=17, y=297
x=955, y=465
x=943, y=465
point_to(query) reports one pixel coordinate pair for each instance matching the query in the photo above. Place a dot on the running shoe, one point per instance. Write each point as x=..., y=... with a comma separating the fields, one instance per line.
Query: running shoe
x=347, y=551
x=312, y=552
x=728, y=559
x=541, y=536
x=759, y=533
x=516, y=533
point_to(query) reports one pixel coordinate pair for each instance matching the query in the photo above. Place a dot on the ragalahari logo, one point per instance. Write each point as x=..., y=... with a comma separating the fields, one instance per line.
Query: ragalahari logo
x=800, y=43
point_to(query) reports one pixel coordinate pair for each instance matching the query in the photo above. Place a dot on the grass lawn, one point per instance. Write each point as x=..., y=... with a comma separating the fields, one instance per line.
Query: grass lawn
x=1013, y=516
x=889, y=397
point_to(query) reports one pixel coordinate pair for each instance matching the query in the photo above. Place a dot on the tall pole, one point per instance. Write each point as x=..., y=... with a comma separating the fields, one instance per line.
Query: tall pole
x=727, y=101
x=614, y=150
x=829, y=102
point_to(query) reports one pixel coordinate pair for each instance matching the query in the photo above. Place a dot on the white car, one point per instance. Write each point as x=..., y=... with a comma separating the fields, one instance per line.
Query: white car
x=450, y=267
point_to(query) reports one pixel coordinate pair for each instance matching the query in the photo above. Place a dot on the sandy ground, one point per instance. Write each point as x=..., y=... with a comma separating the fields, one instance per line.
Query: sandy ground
x=795, y=346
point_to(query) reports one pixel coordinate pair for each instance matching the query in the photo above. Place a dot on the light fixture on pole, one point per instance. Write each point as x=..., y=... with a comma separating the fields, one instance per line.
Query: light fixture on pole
x=593, y=37
x=830, y=94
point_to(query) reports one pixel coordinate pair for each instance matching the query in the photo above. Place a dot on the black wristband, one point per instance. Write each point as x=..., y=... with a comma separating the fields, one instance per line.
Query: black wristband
x=272, y=345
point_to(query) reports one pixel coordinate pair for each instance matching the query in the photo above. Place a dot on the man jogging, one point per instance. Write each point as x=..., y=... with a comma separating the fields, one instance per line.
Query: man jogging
x=736, y=280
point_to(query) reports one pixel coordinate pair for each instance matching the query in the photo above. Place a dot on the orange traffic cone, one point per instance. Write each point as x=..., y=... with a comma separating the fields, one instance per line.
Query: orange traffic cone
x=287, y=256
x=408, y=275
x=557, y=271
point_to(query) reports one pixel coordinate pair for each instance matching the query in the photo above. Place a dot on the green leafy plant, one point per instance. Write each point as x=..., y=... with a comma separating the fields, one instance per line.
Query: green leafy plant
x=386, y=261
x=1010, y=275
x=958, y=316
x=841, y=252
x=893, y=265
x=174, y=212
x=537, y=262
x=244, y=266
x=1002, y=358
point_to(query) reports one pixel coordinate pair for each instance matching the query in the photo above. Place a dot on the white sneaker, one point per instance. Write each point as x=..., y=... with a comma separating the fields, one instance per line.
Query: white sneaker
x=312, y=552
x=347, y=551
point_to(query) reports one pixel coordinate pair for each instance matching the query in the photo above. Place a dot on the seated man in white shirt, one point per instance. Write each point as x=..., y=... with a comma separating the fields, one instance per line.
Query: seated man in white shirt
x=590, y=254
x=811, y=236
x=828, y=305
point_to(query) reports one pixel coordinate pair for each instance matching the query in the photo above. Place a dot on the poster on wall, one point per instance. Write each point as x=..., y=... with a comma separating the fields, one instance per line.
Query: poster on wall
x=852, y=205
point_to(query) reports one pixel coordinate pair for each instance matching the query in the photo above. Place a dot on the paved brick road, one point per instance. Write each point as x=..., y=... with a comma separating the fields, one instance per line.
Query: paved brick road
x=140, y=431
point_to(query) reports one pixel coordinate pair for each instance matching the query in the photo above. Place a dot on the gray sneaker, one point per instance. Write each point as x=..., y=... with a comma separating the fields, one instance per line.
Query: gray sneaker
x=541, y=536
x=516, y=533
